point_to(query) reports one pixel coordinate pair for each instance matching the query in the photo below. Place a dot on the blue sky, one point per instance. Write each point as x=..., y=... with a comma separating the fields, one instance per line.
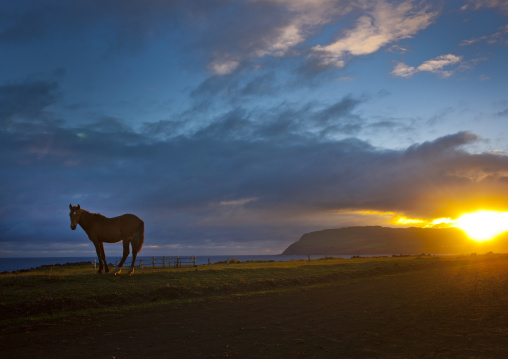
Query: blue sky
x=233, y=127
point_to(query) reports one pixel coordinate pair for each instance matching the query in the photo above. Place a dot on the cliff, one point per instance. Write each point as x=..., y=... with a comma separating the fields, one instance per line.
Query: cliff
x=375, y=240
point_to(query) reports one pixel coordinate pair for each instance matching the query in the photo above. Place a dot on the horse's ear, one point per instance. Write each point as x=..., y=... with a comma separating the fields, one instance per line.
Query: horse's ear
x=70, y=206
x=78, y=206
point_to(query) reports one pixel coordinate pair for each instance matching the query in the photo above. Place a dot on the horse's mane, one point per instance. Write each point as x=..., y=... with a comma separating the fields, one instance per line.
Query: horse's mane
x=95, y=214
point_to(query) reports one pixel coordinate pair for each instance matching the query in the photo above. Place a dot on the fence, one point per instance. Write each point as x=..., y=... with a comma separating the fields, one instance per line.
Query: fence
x=163, y=262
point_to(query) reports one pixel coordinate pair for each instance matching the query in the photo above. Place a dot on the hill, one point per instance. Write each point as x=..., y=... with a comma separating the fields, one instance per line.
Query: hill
x=378, y=240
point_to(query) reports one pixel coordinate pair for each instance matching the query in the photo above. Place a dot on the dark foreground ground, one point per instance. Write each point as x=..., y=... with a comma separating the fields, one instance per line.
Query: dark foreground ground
x=443, y=312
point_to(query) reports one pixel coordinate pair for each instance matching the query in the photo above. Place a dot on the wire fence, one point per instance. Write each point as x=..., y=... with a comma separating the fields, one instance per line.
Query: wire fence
x=164, y=262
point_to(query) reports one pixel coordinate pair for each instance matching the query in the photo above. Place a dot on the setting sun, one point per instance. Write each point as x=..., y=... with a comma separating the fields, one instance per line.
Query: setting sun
x=483, y=225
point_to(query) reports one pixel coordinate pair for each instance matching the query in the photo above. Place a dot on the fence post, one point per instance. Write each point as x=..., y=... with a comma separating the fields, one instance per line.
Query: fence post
x=116, y=263
x=153, y=262
x=141, y=263
x=164, y=262
x=95, y=264
x=177, y=261
x=194, y=261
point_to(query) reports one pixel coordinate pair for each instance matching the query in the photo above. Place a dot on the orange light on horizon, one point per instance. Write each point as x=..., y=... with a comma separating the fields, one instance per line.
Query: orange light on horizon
x=402, y=221
x=480, y=226
x=483, y=225
x=439, y=222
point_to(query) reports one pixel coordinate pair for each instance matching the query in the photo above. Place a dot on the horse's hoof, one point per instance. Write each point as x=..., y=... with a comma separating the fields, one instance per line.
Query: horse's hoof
x=130, y=274
x=117, y=273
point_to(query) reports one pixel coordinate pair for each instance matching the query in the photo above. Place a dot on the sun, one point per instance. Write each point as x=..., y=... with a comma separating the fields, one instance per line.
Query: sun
x=483, y=225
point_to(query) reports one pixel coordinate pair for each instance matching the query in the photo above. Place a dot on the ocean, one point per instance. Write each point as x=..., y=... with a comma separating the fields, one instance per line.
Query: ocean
x=13, y=264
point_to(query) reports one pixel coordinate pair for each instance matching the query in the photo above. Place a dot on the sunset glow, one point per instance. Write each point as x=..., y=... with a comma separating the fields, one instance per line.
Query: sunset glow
x=483, y=225
x=480, y=226
x=401, y=220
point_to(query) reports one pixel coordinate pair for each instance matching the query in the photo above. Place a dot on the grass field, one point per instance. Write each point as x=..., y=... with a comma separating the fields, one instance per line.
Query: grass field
x=59, y=291
x=404, y=307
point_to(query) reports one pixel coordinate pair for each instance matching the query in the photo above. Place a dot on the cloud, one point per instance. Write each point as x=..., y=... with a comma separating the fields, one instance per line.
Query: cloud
x=26, y=100
x=498, y=37
x=283, y=120
x=264, y=84
x=435, y=65
x=384, y=23
x=503, y=113
x=226, y=36
x=235, y=88
x=443, y=145
x=223, y=67
x=267, y=28
x=397, y=49
x=403, y=70
x=246, y=176
x=243, y=176
x=478, y=4
x=128, y=23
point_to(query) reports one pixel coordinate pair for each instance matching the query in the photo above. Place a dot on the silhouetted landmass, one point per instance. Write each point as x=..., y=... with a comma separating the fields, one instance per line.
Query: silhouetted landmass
x=376, y=240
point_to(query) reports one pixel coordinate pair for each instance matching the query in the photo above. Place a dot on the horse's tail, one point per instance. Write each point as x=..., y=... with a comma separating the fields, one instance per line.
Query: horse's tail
x=139, y=238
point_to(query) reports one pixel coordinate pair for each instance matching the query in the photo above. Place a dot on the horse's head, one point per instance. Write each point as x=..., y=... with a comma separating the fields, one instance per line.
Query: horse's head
x=75, y=215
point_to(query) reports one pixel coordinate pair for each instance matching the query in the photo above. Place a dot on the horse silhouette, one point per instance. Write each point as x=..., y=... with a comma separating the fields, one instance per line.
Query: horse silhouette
x=101, y=229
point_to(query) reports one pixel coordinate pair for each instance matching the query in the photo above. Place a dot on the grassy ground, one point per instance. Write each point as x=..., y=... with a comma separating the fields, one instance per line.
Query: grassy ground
x=399, y=308
x=59, y=291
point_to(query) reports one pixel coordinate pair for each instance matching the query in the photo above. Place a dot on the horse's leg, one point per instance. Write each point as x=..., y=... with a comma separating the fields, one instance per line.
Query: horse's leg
x=134, y=255
x=101, y=245
x=137, y=244
x=125, y=254
x=99, y=255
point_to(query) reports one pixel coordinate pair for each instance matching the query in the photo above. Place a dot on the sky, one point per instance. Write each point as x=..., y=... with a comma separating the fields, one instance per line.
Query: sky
x=234, y=127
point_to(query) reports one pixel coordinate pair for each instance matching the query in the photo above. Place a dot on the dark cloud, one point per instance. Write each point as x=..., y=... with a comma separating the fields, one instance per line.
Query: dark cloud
x=312, y=70
x=219, y=35
x=281, y=121
x=235, y=37
x=501, y=5
x=129, y=23
x=215, y=88
x=244, y=176
x=264, y=84
x=444, y=146
x=218, y=31
x=502, y=113
x=241, y=178
x=27, y=100
x=234, y=89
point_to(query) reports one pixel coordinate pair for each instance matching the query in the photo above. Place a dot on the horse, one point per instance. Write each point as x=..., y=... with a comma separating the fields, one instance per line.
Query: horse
x=101, y=229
